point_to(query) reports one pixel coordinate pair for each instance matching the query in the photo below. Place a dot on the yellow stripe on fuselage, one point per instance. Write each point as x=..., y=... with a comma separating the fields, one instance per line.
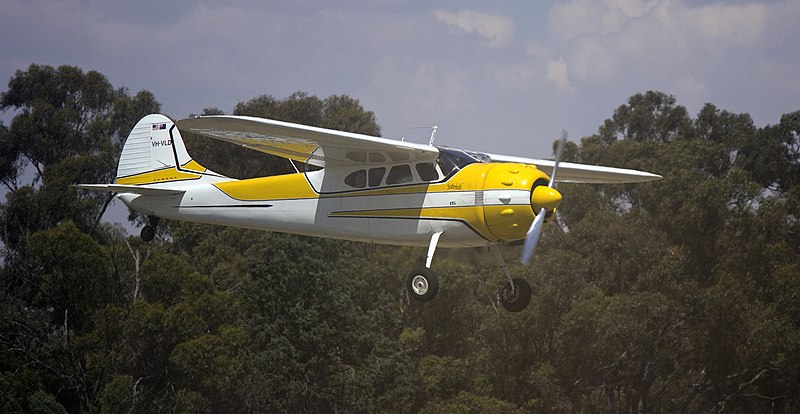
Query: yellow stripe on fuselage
x=278, y=187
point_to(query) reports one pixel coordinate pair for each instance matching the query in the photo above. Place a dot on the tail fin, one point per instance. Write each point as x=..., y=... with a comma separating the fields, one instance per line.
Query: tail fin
x=155, y=153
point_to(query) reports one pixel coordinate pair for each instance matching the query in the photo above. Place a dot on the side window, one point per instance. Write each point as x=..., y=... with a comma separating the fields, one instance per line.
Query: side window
x=399, y=174
x=426, y=171
x=376, y=176
x=356, y=179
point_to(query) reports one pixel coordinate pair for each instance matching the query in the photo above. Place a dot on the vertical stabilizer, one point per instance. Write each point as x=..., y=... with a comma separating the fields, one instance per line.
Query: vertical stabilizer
x=154, y=153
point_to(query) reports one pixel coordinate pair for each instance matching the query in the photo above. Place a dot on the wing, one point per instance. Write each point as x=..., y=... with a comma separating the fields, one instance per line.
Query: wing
x=307, y=144
x=569, y=172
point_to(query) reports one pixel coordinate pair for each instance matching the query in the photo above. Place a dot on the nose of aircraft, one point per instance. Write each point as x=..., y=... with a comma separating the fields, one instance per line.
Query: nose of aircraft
x=545, y=197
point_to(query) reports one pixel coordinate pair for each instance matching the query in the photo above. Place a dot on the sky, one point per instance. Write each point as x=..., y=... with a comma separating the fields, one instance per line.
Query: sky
x=502, y=77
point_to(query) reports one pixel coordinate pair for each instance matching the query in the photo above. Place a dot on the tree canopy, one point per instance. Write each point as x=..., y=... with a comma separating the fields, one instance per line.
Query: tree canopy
x=679, y=295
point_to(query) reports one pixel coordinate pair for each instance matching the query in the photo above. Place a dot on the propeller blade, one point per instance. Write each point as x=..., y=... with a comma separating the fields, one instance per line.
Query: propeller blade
x=532, y=238
x=559, y=153
x=535, y=231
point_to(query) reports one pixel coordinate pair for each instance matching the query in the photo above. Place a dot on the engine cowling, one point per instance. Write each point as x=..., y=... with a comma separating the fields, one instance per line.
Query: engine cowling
x=512, y=194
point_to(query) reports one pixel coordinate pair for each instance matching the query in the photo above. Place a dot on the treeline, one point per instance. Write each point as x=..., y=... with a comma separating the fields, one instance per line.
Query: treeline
x=680, y=295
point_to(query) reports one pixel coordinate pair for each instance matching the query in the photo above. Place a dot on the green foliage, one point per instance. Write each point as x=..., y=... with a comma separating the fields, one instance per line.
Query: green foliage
x=20, y=395
x=648, y=116
x=679, y=295
x=118, y=395
x=68, y=127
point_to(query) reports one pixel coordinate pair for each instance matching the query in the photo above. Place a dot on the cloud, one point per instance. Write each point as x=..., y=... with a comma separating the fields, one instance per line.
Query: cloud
x=569, y=20
x=604, y=39
x=519, y=76
x=428, y=87
x=440, y=88
x=666, y=21
x=737, y=24
x=557, y=75
x=691, y=93
x=631, y=8
x=496, y=28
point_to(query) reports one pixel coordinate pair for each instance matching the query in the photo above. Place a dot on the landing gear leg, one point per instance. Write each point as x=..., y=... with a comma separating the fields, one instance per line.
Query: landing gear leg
x=422, y=284
x=149, y=231
x=516, y=294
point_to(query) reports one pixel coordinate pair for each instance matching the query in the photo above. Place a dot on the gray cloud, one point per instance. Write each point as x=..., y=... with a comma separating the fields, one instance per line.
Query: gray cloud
x=506, y=79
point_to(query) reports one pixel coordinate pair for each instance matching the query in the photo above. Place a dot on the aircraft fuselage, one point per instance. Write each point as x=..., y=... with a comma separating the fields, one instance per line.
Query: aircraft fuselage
x=483, y=203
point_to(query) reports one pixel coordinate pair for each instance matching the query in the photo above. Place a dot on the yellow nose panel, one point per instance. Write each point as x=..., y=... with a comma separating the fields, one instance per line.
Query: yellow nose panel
x=506, y=215
x=506, y=219
x=546, y=197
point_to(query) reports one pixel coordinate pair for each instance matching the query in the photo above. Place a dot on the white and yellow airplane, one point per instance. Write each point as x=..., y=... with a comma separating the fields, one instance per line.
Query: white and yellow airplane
x=368, y=189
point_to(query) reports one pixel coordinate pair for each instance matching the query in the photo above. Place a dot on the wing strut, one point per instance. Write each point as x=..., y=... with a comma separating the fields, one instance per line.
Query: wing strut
x=293, y=165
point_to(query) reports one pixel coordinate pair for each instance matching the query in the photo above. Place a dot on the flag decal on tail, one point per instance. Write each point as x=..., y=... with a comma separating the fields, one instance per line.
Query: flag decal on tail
x=156, y=127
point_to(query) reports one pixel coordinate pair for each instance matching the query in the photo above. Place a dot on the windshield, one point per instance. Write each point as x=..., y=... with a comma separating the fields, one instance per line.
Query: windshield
x=451, y=160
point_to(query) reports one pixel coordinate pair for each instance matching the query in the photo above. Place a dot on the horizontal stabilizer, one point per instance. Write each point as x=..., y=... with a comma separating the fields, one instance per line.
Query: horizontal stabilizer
x=134, y=189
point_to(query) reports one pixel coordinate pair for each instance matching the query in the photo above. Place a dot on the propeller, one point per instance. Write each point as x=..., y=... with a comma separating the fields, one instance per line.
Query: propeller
x=546, y=197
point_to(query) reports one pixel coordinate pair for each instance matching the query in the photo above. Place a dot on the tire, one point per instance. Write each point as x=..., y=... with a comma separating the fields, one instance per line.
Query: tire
x=148, y=234
x=422, y=284
x=517, y=299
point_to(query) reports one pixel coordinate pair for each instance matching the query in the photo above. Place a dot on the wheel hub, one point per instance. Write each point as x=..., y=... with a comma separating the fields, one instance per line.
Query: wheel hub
x=419, y=284
x=510, y=294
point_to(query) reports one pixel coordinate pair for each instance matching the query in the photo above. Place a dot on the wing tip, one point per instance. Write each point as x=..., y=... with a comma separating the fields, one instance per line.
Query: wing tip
x=648, y=176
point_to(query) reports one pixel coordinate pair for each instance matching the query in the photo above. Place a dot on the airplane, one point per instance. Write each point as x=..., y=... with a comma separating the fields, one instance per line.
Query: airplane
x=355, y=187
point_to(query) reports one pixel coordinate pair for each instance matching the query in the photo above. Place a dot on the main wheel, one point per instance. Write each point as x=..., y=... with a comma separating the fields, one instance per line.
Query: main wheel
x=148, y=234
x=518, y=298
x=422, y=284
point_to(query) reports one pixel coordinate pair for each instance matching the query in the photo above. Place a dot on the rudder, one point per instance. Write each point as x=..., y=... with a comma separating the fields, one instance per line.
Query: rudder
x=154, y=152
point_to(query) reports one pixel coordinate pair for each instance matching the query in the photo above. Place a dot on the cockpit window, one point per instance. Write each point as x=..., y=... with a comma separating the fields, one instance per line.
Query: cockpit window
x=426, y=171
x=357, y=179
x=399, y=174
x=451, y=160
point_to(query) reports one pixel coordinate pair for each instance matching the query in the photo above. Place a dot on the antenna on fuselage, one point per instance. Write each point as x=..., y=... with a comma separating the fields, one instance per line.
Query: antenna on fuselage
x=433, y=134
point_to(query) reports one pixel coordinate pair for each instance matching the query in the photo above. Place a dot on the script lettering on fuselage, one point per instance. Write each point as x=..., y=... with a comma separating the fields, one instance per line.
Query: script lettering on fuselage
x=455, y=186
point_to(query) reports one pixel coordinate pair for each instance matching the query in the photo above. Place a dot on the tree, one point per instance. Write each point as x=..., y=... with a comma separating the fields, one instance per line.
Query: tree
x=712, y=270
x=68, y=127
x=678, y=295
x=649, y=116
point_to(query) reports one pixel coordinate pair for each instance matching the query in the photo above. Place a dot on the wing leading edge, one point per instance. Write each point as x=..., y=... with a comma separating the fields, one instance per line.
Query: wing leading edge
x=307, y=144
x=569, y=172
